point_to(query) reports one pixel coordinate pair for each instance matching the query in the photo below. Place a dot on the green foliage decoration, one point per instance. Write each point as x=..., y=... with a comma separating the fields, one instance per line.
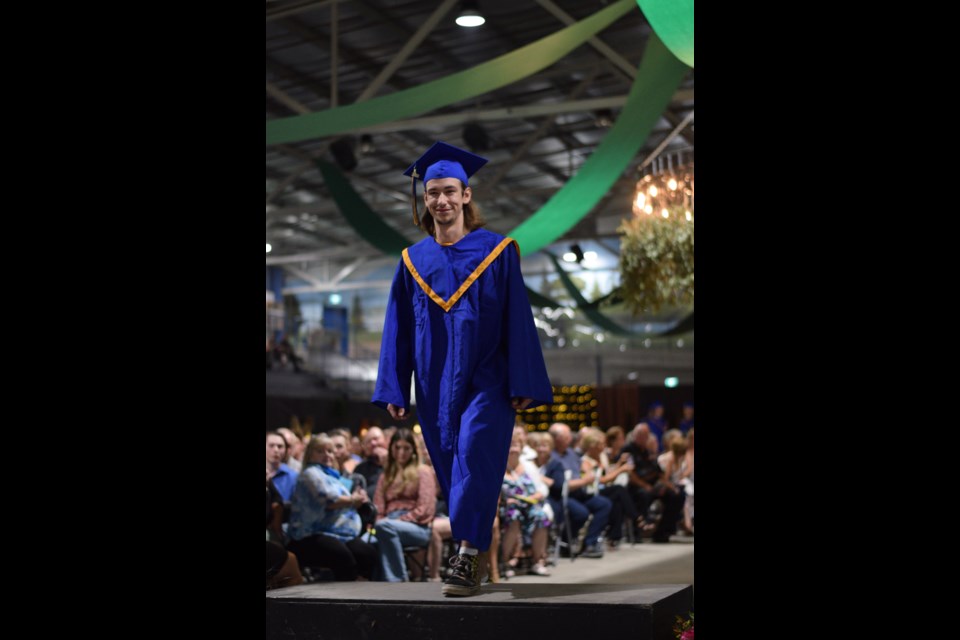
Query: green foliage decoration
x=656, y=261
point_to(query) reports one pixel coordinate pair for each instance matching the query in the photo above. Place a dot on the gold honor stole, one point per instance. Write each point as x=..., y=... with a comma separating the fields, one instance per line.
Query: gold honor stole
x=446, y=305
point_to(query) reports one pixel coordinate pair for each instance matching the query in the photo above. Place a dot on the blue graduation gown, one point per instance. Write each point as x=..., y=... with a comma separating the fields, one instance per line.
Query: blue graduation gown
x=468, y=362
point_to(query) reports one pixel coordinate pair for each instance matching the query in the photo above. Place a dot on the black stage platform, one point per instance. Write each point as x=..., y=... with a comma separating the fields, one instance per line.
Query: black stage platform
x=418, y=611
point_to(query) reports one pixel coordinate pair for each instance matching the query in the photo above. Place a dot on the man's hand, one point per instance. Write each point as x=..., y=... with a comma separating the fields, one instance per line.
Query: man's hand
x=397, y=413
x=520, y=403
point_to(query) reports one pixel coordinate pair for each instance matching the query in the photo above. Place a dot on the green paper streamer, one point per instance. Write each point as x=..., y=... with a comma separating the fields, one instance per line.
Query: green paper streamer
x=672, y=21
x=657, y=78
x=590, y=309
x=539, y=300
x=683, y=326
x=592, y=313
x=478, y=80
x=364, y=220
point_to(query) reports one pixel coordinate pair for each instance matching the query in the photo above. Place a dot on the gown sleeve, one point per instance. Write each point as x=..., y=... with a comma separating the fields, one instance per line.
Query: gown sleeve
x=527, y=373
x=396, y=349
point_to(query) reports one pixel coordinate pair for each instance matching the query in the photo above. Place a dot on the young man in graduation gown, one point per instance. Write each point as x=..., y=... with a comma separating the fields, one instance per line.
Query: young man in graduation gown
x=459, y=320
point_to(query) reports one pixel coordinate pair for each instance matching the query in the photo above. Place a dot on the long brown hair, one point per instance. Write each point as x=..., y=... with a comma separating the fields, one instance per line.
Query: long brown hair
x=408, y=474
x=472, y=218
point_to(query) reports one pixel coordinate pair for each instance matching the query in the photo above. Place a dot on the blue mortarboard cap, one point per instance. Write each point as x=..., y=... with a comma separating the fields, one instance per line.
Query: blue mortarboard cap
x=444, y=160
x=688, y=405
x=656, y=404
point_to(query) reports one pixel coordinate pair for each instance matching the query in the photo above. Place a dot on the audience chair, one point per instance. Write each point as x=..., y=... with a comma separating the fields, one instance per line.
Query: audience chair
x=572, y=542
x=416, y=557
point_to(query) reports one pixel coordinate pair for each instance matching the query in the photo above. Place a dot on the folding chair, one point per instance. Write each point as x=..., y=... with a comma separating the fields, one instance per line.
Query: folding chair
x=415, y=556
x=572, y=541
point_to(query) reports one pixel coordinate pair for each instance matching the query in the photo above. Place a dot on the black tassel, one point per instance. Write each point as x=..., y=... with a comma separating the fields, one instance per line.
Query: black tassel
x=413, y=189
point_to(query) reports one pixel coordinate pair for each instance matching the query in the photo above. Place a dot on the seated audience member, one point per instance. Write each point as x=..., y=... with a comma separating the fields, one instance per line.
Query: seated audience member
x=521, y=512
x=282, y=569
x=658, y=505
x=284, y=478
x=324, y=524
x=595, y=461
x=542, y=444
x=406, y=499
x=295, y=447
x=676, y=474
x=374, y=458
x=668, y=438
x=341, y=447
x=616, y=440
x=687, y=521
x=580, y=504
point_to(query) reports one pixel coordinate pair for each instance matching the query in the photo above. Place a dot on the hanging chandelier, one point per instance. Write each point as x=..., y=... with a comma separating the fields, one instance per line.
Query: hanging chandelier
x=666, y=188
x=656, y=245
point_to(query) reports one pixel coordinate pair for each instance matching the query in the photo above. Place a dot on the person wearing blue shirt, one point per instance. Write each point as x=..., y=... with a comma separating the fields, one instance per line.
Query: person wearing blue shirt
x=458, y=321
x=284, y=478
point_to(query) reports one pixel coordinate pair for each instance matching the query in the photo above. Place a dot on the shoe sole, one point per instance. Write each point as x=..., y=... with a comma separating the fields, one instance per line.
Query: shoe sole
x=459, y=591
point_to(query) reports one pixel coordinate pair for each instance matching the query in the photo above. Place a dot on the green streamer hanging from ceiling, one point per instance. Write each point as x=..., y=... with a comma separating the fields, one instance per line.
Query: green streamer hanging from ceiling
x=451, y=89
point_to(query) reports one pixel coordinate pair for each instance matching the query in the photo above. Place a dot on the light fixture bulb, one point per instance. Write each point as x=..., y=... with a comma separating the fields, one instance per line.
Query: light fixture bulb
x=470, y=18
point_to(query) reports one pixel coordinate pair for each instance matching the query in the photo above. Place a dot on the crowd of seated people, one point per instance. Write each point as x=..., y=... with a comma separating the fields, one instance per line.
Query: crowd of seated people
x=357, y=516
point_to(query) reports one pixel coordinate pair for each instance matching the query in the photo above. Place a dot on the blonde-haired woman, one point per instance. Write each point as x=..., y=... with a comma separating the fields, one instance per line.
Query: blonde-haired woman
x=605, y=472
x=521, y=511
x=407, y=495
x=324, y=523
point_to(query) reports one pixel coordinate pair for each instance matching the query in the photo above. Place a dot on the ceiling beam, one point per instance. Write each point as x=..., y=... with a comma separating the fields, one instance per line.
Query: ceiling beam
x=537, y=134
x=405, y=52
x=294, y=8
x=289, y=102
x=347, y=270
x=342, y=286
x=503, y=113
x=621, y=63
x=303, y=275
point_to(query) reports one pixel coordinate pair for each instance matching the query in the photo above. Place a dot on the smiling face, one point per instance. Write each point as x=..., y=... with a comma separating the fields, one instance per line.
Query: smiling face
x=445, y=198
x=326, y=456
